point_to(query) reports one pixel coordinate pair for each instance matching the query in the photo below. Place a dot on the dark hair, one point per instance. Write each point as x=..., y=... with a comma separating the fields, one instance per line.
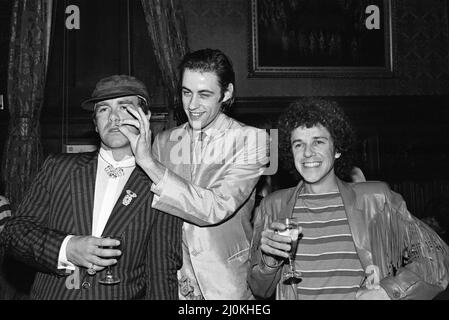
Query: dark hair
x=211, y=60
x=309, y=112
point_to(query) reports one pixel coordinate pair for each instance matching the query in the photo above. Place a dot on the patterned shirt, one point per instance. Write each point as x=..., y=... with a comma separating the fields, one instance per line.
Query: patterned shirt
x=326, y=255
x=5, y=211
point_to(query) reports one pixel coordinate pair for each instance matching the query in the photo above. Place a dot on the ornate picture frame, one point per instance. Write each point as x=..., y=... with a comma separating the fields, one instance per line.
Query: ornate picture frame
x=321, y=38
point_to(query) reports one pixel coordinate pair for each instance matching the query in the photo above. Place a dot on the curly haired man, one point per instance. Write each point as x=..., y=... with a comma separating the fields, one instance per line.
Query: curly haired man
x=356, y=240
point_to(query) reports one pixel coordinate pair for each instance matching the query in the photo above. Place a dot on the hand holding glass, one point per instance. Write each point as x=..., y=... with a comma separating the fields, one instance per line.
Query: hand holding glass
x=110, y=278
x=291, y=230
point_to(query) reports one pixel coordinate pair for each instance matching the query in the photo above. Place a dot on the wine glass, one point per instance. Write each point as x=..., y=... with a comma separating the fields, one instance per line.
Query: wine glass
x=291, y=276
x=110, y=278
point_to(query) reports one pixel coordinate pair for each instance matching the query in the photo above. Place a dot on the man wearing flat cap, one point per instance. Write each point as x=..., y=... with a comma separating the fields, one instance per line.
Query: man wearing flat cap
x=87, y=225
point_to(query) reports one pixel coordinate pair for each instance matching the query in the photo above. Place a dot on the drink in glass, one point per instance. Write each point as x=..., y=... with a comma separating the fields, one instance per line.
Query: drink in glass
x=110, y=278
x=291, y=276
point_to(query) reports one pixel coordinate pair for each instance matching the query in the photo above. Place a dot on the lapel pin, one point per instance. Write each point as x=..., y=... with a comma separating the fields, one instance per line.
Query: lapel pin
x=129, y=197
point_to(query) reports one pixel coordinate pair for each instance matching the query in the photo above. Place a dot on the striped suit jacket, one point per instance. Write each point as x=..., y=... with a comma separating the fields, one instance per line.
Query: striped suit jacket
x=60, y=202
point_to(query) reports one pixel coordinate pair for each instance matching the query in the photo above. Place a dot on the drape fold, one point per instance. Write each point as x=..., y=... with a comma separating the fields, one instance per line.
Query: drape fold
x=167, y=30
x=27, y=67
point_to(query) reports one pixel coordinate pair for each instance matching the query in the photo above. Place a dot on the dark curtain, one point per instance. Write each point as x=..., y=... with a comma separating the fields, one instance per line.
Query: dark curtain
x=166, y=26
x=28, y=56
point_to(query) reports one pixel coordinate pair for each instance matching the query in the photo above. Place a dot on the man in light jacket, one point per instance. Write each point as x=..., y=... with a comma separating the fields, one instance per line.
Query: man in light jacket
x=205, y=172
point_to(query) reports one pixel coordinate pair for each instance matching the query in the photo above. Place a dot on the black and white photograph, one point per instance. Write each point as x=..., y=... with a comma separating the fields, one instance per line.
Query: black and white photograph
x=234, y=152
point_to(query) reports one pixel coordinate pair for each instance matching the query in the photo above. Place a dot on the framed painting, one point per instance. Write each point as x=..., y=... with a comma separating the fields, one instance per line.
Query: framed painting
x=321, y=38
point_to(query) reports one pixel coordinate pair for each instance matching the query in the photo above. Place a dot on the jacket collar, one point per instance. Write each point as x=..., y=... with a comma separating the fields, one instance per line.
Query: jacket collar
x=134, y=194
x=358, y=223
x=82, y=185
x=287, y=209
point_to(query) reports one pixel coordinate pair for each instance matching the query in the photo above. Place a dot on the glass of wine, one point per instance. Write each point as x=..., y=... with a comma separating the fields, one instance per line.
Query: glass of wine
x=291, y=276
x=110, y=278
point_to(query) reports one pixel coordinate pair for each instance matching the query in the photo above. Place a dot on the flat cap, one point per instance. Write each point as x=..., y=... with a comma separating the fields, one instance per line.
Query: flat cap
x=116, y=86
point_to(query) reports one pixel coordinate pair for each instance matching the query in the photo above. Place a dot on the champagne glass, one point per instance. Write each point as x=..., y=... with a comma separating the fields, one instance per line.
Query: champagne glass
x=291, y=276
x=110, y=278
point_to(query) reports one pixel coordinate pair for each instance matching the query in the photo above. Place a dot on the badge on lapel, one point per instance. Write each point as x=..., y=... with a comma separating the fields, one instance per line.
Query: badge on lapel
x=128, y=198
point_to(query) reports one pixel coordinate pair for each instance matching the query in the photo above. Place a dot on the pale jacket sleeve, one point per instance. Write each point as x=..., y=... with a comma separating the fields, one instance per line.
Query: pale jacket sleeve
x=222, y=198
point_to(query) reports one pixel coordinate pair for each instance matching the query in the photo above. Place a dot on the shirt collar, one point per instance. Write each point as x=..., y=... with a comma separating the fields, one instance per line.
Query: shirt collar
x=216, y=126
x=127, y=161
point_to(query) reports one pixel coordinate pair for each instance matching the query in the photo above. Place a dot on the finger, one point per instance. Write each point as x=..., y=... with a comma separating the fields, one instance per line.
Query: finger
x=285, y=236
x=132, y=137
x=106, y=253
x=148, y=116
x=276, y=236
x=108, y=242
x=144, y=116
x=138, y=115
x=90, y=265
x=277, y=226
x=133, y=111
x=276, y=244
x=274, y=252
x=131, y=122
x=99, y=262
x=97, y=268
x=90, y=242
x=145, y=120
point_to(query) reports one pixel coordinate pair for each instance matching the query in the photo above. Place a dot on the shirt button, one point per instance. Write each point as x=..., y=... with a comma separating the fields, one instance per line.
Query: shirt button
x=86, y=285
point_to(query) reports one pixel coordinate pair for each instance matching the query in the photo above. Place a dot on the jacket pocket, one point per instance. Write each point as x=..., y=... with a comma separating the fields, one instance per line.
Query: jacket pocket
x=240, y=255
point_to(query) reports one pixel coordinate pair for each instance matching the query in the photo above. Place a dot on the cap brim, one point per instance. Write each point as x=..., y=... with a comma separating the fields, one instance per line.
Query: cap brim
x=90, y=103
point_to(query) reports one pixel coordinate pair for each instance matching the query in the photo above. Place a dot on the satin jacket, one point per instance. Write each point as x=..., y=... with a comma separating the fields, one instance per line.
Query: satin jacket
x=215, y=196
x=412, y=261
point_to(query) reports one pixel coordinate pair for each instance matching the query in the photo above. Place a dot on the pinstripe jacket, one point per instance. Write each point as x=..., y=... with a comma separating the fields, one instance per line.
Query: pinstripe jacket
x=60, y=202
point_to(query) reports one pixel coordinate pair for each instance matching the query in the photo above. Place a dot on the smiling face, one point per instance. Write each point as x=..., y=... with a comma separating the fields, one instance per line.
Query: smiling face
x=314, y=155
x=108, y=115
x=202, y=97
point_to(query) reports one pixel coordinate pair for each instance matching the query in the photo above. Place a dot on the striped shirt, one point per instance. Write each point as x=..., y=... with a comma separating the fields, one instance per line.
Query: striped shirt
x=326, y=254
x=5, y=211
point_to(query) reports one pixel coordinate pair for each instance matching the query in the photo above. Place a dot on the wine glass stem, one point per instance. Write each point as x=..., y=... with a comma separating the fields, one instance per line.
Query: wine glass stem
x=292, y=267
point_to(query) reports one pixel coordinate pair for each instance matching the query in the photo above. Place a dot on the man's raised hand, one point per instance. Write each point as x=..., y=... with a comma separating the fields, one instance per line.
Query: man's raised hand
x=140, y=137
